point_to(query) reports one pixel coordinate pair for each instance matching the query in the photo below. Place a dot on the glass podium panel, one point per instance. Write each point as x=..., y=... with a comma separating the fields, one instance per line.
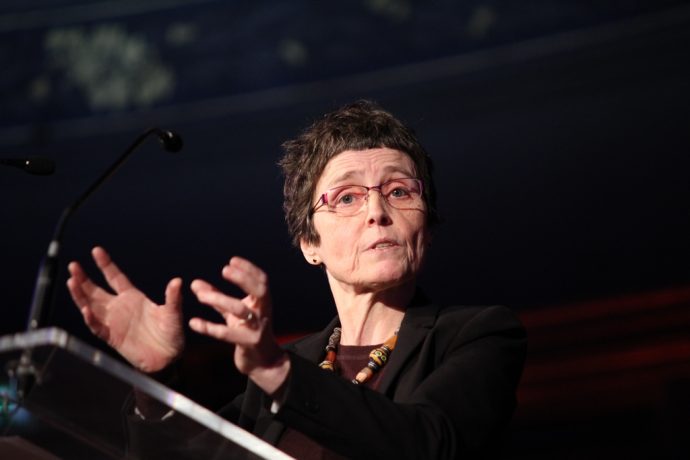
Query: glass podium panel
x=79, y=403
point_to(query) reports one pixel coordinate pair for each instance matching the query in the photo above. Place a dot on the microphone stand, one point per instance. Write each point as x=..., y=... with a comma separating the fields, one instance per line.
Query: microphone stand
x=41, y=303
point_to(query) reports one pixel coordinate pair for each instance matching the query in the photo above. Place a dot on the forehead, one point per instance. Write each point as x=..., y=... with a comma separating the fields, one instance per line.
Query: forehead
x=364, y=166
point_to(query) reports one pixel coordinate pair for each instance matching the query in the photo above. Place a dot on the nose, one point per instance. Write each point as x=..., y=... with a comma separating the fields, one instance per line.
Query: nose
x=378, y=212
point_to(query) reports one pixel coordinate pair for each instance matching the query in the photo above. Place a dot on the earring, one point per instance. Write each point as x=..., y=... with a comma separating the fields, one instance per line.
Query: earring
x=314, y=260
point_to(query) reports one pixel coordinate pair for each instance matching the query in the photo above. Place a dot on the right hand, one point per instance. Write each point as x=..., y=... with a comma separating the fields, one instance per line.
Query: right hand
x=148, y=335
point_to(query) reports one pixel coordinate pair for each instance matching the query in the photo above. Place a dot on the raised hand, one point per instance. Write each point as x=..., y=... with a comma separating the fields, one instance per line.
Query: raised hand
x=148, y=335
x=247, y=323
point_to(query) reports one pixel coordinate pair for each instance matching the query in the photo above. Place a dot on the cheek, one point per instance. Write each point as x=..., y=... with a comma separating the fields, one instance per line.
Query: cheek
x=344, y=241
x=337, y=242
x=420, y=242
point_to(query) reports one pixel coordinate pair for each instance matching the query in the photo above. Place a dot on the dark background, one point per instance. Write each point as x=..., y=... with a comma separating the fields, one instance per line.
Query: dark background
x=559, y=130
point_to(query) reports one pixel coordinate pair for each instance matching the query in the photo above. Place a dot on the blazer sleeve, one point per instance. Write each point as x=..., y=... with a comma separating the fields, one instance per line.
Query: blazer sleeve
x=453, y=400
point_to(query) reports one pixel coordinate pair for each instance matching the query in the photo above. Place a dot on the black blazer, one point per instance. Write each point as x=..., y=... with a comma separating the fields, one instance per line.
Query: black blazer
x=447, y=392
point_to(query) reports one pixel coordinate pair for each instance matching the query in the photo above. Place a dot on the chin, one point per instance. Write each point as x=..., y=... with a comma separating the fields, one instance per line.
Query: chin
x=387, y=277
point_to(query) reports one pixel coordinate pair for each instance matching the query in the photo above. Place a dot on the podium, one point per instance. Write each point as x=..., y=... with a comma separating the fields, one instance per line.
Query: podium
x=79, y=404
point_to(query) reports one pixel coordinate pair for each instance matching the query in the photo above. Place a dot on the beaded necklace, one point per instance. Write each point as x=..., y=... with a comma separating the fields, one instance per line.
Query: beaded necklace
x=377, y=358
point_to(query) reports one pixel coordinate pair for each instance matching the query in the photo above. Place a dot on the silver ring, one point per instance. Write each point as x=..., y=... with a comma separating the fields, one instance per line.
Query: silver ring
x=249, y=320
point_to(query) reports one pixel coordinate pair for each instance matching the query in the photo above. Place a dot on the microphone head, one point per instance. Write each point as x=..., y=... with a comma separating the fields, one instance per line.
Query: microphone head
x=171, y=141
x=40, y=166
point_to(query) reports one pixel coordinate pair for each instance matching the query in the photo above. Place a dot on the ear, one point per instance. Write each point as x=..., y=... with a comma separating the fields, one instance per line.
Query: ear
x=310, y=252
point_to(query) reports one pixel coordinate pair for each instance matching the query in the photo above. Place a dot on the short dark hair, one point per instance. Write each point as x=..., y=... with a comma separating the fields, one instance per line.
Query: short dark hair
x=358, y=126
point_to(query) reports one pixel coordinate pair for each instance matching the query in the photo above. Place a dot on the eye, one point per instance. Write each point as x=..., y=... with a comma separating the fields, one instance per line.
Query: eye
x=346, y=199
x=399, y=192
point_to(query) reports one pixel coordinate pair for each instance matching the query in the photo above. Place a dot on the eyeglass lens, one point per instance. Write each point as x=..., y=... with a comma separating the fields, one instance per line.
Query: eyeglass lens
x=404, y=193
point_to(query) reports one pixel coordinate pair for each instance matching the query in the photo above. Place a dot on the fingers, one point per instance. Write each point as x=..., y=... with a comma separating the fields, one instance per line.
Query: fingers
x=80, y=287
x=248, y=311
x=250, y=278
x=82, y=291
x=217, y=331
x=223, y=304
x=74, y=284
x=238, y=335
x=113, y=275
x=247, y=321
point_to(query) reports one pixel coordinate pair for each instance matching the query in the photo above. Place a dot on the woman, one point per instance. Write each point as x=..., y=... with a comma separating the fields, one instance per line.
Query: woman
x=393, y=375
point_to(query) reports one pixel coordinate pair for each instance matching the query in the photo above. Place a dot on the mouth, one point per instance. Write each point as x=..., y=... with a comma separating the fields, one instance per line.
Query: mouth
x=383, y=244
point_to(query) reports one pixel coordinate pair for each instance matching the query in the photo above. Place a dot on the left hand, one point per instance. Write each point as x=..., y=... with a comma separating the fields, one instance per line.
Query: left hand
x=247, y=324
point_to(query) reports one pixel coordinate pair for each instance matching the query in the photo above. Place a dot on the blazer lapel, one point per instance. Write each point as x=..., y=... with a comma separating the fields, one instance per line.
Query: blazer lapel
x=419, y=319
x=311, y=348
x=415, y=326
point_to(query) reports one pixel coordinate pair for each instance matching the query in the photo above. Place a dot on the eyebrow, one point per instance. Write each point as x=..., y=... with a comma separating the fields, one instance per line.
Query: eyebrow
x=353, y=173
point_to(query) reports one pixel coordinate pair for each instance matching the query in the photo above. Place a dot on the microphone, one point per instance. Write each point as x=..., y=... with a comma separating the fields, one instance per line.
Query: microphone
x=171, y=141
x=23, y=371
x=40, y=166
x=43, y=289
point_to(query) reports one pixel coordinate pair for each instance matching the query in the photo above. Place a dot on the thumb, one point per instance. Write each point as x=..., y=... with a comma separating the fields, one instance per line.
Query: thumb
x=173, y=294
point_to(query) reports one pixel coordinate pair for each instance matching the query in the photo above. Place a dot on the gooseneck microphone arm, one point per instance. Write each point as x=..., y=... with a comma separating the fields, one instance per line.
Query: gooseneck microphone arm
x=45, y=281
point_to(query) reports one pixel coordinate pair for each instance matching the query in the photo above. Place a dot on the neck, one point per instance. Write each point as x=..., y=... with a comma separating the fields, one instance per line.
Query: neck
x=369, y=318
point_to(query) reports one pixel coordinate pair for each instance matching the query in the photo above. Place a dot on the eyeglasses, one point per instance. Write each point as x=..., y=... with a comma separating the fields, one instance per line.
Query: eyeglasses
x=402, y=193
